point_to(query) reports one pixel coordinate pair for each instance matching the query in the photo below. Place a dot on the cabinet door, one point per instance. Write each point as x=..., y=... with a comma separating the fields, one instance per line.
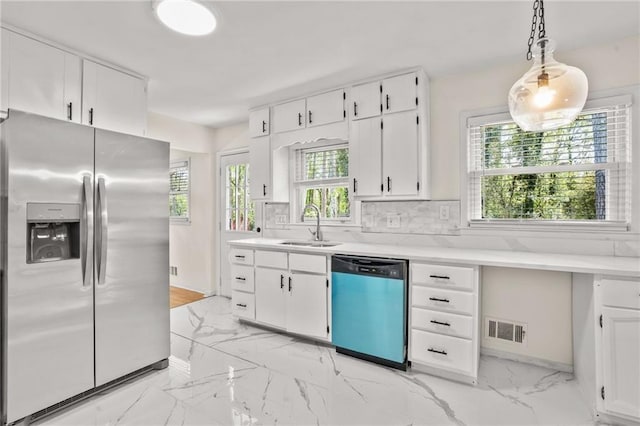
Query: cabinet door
x=307, y=305
x=259, y=122
x=271, y=286
x=365, y=157
x=113, y=100
x=259, y=168
x=365, y=100
x=621, y=369
x=400, y=154
x=289, y=116
x=326, y=108
x=36, y=76
x=399, y=93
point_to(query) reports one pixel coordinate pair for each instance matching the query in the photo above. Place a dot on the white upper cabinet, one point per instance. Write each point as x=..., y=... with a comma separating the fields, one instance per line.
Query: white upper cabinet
x=400, y=93
x=260, y=186
x=259, y=122
x=39, y=78
x=326, y=108
x=113, y=100
x=400, y=154
x=290, y=116
x=365, y=157
x=365, y=100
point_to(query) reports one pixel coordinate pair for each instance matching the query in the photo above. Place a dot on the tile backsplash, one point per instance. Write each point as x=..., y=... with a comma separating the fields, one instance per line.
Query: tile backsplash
x=411, y=217
x=276, y=215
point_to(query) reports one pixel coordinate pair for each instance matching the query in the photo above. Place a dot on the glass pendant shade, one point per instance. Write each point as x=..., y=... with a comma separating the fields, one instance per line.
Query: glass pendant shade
x=550, y=94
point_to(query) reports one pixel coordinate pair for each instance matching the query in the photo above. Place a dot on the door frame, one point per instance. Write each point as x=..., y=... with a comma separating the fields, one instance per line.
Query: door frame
x=218, y=216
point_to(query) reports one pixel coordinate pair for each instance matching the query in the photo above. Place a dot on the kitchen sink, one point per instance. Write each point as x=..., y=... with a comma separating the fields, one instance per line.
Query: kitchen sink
x=309, y=243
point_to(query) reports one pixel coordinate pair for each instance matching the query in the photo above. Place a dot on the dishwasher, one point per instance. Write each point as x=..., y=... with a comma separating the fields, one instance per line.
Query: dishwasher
x=369, y=308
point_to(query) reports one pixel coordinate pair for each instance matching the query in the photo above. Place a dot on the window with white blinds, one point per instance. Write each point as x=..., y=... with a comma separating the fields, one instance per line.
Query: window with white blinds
x=578, y=173
x=179, y=187
x=322, y=178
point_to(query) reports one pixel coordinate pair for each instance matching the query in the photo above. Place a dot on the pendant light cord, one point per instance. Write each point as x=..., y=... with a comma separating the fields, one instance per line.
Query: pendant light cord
x=538, y=10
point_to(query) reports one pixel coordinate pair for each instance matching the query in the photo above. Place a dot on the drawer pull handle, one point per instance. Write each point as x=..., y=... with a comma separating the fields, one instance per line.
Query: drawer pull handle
x=437, y=299
x=440, y=277
x=239, y=256
x=437, y=351
x=441, y=323
x=242, y=305
x=241, y=278
x=281, y=281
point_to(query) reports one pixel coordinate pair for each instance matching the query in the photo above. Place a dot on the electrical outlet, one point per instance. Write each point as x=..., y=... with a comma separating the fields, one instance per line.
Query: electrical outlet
x=444, y=212
x=393, y=220
x=281, y=219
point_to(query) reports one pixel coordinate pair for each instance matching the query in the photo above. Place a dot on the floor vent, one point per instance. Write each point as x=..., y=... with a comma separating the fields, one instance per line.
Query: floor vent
x=505, y=330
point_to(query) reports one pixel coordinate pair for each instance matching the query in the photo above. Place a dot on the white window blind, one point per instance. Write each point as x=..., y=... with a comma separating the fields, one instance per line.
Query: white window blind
x=580, y=172
x=322, y=178
x=179, y=188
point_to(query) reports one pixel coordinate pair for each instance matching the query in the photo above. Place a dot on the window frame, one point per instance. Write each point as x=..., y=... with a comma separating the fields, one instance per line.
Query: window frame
x=492, y=115
x=174, y=165
x=296, y=187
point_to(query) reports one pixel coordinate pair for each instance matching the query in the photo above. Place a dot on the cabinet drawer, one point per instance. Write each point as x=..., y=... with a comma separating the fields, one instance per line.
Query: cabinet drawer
x=271, y=259
x=308, y=263
x=442, y=351
x=241, y=256
x=621, y=293
x=443, y=276
x=441, y=322
x=444, y=300
x=242, y=278
x=243, y=305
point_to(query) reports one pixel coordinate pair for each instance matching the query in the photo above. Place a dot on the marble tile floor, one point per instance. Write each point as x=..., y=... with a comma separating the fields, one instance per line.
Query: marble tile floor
x=223, y=372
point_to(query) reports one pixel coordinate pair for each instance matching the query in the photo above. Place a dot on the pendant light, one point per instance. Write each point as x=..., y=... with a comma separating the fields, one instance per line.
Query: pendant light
x=185, y=16
x=551, y=94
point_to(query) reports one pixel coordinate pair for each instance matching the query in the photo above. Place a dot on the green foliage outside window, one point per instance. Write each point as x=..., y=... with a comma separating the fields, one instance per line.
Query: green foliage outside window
x=564, y=194
x=325, y=173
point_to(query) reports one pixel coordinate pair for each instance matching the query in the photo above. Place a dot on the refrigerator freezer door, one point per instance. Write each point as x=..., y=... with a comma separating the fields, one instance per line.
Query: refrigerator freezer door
x=132, y=254
x=48, y=305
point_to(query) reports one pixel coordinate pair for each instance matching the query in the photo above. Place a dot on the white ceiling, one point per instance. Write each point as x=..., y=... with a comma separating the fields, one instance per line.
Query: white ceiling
x=266, y=51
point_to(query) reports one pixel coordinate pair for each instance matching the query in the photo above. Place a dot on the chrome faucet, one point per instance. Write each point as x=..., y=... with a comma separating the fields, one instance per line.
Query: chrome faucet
x=317, y=236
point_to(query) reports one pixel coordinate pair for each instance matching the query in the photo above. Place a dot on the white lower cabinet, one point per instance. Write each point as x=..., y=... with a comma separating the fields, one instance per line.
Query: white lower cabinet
x=307, y=305
x=270, y=296
x=444, y=325
x=291, y=292
x=618, y=347
x=243, y=305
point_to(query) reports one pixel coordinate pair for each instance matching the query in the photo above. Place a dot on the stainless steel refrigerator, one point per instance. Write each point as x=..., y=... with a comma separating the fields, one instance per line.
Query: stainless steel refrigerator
x=84, y=249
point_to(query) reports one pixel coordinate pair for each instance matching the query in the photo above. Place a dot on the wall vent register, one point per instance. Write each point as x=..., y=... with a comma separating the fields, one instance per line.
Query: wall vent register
x=504, y=330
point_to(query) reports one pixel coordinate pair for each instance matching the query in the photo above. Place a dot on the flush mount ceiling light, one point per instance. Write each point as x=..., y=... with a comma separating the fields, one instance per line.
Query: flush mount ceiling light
x=185, y=16
x=550, y=94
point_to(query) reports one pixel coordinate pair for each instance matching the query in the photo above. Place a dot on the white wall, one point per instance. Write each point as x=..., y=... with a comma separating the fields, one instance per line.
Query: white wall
x=191, y=245
x=508, y=292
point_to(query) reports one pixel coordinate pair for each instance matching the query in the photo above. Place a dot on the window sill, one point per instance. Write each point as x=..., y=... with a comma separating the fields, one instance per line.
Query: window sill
x=550, y=226
x=182, y=222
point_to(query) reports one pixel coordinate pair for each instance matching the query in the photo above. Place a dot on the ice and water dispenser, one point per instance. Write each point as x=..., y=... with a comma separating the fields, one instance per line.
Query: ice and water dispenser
x=53, y=232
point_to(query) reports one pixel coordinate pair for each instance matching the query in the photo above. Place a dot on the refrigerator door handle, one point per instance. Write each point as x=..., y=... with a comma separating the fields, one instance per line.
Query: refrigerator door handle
x=103, y=227
x=87, y=248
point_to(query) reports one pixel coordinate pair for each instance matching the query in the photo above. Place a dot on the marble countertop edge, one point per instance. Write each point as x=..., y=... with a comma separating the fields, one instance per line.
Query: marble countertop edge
x=588, y=264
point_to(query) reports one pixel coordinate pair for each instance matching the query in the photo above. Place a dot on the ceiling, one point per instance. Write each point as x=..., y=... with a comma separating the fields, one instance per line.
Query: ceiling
x=267, y=51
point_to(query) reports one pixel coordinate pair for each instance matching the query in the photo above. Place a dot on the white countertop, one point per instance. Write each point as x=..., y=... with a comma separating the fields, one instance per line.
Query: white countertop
x=605, y=265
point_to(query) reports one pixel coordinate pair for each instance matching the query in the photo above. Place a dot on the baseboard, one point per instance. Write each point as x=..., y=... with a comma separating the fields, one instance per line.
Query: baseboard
x=553, y=365
x=187, y=288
